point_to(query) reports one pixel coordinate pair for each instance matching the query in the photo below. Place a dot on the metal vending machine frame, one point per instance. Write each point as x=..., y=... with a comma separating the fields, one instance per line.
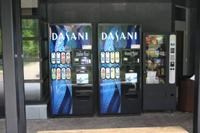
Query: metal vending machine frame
x=159, y=67
x=120, y=77
x=71, y=69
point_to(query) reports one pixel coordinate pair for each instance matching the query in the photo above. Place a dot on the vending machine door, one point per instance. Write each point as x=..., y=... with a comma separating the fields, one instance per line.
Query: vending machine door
x=71, y=71
x=159, y=89
x=119, y=50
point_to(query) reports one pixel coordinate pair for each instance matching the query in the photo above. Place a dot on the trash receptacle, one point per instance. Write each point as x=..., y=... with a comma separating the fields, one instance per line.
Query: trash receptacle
x=186, y=95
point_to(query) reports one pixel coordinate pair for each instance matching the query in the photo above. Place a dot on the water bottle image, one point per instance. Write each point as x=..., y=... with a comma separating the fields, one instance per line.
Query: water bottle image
x=63, y=57
x=107, y=73
x=58, y=72
x=117, y=73
x=53, y=58
x=103, y=73
x=68, y=58
x=112, y=57
x=68, y=73
x=63, y=73
x=53, y=73
x=58, y=57
x=102, y=57
x=117, y=58
x=107, y=57
x=112, y=73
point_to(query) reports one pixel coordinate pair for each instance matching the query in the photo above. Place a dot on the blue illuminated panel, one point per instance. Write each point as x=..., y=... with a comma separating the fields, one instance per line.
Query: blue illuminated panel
x=65, y=41
x=115, y=41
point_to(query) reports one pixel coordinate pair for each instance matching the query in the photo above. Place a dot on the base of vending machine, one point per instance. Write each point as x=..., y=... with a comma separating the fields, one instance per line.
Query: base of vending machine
x=83, y=100
x=159, y=98
x=2, y=112
x=130, y=101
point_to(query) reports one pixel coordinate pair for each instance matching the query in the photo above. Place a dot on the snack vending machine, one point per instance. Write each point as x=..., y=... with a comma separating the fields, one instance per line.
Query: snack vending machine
x=71, y=61
x=119, y=50
x=159, y=88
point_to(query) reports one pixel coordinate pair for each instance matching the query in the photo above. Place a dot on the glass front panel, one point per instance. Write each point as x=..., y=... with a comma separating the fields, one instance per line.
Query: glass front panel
x=31, y=70
x=70, y=64
x=155, y=61
x=119, y=63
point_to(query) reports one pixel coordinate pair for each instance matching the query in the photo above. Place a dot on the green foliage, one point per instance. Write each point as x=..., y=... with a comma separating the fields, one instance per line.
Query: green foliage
x=31, y=46
x=29, y=28
x=31, y=49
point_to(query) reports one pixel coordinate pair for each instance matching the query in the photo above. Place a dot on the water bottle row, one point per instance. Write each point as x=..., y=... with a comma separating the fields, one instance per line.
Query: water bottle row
x=61, y=73
x=110, y=57
x=60, y=57
x=110, y=73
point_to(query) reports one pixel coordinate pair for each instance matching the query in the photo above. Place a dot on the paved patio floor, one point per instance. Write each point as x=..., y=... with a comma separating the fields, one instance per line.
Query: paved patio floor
x=184, y=120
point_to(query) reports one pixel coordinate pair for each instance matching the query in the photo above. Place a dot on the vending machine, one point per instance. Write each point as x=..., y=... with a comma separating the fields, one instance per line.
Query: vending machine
x=159, y=88
x=119, y=50
x=71, y=72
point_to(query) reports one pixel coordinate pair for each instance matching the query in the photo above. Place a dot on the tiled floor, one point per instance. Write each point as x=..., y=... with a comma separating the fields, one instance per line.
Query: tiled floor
x=145, y=120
